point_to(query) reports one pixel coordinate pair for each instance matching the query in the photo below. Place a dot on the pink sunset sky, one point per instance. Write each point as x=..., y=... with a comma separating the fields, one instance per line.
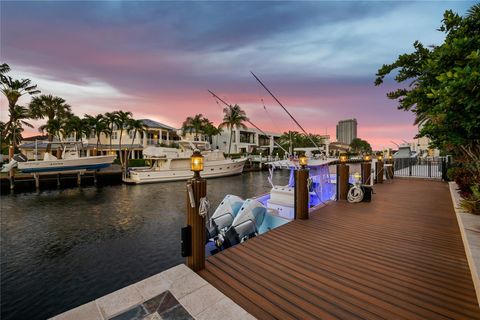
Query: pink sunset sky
x=157, y=59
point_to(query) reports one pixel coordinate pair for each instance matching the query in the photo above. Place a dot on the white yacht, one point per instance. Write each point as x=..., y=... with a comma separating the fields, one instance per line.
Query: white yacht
x=172, y=164
x=70, y=161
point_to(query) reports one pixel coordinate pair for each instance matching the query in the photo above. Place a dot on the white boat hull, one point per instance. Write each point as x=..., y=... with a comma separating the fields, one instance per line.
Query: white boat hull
x=85, y=163
x=212, y=169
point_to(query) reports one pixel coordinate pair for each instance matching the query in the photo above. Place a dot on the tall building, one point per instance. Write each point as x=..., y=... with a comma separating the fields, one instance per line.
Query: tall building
x=346, y=130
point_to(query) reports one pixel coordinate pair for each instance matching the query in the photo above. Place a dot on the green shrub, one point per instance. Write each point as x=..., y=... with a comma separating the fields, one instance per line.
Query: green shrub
x=471, y=203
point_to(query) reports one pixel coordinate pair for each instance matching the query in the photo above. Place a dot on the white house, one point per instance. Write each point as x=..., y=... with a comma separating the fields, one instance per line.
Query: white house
x=156, y=134
x=245, y=140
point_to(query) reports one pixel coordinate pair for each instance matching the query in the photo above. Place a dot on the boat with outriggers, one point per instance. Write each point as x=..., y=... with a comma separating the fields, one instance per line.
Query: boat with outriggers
x=70, y=161
x=173, y=164
x=236, y=220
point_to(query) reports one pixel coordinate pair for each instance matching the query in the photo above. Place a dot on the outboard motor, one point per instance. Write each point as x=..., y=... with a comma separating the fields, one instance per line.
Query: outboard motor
x=224, y=215
x=247, y=222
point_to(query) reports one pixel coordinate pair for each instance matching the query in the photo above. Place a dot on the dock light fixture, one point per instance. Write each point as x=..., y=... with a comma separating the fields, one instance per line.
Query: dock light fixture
x=196, y=163
x=380, y=157
x=343, y=158
x=390, y=157
x=303, y=161
x=367, y=157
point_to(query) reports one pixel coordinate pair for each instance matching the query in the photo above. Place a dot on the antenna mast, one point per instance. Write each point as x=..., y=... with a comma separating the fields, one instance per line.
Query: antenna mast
x=281, y=105
x=225, y=103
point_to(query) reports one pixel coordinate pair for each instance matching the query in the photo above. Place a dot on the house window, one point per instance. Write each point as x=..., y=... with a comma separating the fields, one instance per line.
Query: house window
x=131, y=134
x=114, y=135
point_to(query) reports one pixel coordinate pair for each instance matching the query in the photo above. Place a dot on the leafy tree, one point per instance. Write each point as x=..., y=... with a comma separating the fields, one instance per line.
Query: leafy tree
x=123, y=119
x=13, y=90
x=194, y=124
x=135, y=126
x=77, y=127
x=53, y=127
x=360, y=146
x=99, y=125
x=443, y=85
x=4, y=68
x=294, y=139
x=210, y=130
x=234, y=117
x=111, y=120
x=14, y=127
x=50, y=107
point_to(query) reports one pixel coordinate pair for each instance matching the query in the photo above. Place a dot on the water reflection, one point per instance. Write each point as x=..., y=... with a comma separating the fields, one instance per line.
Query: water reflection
x=63, y=248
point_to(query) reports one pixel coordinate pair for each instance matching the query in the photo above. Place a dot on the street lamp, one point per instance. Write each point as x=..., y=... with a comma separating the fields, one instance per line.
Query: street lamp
x=380, y=157
x=343, y=158
x=196, y=163
x=367, y=157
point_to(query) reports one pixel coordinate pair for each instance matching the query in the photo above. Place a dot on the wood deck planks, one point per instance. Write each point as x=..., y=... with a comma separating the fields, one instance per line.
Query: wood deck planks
x=399, y=257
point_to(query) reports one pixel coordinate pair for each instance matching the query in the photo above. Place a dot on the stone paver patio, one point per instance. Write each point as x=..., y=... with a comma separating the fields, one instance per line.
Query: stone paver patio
x=177, y=293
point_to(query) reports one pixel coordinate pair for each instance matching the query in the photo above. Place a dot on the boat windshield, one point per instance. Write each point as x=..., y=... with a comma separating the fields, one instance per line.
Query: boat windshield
x=192, y=145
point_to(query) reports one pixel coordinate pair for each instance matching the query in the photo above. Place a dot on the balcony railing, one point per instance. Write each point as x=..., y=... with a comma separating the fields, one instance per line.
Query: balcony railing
x=153, y=141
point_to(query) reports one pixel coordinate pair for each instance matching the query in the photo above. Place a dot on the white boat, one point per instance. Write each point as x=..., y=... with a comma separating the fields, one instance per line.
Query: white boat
x=71, y=161
x=171, y=164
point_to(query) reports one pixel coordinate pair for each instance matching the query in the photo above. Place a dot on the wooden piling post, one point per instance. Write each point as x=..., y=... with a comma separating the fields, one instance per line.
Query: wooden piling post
x=390, y=171
x=301, y=193
x=366, y=168
x=342, y=181
x=37, y=181
x=58, y=180
x=79, y=179
x=196, y=261
x=379, y=171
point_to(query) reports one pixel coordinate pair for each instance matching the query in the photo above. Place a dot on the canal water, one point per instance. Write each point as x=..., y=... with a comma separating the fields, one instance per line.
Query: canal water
x=63, y=248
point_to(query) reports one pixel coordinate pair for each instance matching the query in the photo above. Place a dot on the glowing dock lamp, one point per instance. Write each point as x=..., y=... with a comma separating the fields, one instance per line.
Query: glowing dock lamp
x=380, y=157
x=390, y=157
x=343, y=158
x=196, y=163
x=367, y=157
x=303, y=161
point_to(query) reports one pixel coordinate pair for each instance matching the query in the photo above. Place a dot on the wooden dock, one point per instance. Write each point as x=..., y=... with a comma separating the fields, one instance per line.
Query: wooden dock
x=399, y=257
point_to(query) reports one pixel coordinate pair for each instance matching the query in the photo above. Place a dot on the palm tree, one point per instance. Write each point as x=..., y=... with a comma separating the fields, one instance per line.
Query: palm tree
x=210, y=130
x=13, y=90
x=50, y=107
x=123, y=119
x=194, y=124
x=4, y=68
x=233, y=117
x=53, y=127
x=14, y=127
x=99, y=125
x=137, y=126
x=76, y=126
x=111, y=120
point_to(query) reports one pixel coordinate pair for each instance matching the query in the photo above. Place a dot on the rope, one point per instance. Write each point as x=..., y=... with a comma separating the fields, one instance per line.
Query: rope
x=355, y=194
x=204, y=207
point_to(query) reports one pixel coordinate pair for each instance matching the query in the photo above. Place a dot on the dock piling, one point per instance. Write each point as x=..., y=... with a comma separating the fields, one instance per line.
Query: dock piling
x=301, y=193
x=342, y=181
x=366, y=168
x=379, y=170
x=196, y=190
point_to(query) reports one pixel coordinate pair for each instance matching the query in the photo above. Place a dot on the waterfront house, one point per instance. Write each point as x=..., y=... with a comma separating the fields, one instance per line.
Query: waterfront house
x=156, y=134
x=246, y=141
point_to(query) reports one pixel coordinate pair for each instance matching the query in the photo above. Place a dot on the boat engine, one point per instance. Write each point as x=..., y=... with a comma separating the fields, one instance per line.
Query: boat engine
x=224, y=215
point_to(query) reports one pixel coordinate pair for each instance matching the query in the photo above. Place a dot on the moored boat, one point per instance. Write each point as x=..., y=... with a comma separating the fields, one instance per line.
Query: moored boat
x=172, y=164
x=71, y=161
